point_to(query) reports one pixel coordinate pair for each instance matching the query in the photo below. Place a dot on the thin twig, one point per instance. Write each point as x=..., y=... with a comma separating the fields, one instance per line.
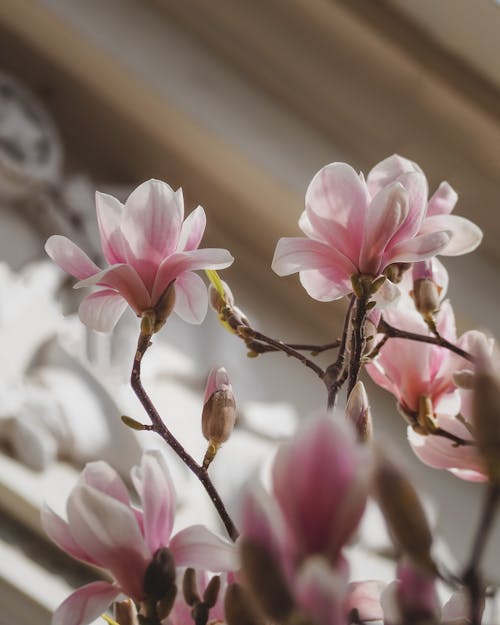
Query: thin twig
x=471, y=578
x=335, y=376
x=357, y=339
x=396, y=333
x=262, y=348
x=160, y=428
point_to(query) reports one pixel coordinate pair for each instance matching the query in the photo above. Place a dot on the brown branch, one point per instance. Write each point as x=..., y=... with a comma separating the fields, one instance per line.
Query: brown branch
x=158, y=426
x=335, y=374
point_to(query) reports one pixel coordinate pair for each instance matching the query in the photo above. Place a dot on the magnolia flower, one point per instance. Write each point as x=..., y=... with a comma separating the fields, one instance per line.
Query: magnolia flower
x=105, y=530
x=148, y=246
x=357, y=227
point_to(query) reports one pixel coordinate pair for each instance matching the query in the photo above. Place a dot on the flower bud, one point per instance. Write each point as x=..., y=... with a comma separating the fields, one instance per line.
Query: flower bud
x=486, y=413
x=164, y=307
x=426, y=297
x=358, y=413
x=403, y=513
x=125, y=612
x=239, y=608
x=396, y=271
x=190, y=587
x=219, y=412
x=159, y=578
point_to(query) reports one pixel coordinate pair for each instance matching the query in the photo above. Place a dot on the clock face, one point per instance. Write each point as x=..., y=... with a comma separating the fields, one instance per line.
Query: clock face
x=30, y=149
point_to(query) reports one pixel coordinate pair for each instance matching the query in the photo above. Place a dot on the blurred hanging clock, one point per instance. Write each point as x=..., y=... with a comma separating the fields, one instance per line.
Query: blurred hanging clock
x=30, y=148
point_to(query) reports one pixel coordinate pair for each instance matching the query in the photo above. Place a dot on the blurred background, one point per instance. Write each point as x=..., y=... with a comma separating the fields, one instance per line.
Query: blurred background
x=240, y=103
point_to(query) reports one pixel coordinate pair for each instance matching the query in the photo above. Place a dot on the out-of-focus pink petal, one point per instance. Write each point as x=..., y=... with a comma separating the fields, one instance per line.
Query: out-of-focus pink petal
x=152, y=220
x=419, y=248
x=386, y=172
x=339, y=195
x=154, y=484
x=365, y=598
x=58, y=530
x=109, y=214
x=86, y=604
x=329, y=473
x=70, y=257
x=125, y=280
x=326, y=285
x=197, y=546
x=443, y=200
x=294, y=254
x=102, y=310
x=456, y=610
x=192, y=230
x=465, y=235
x=386, y=213
x=320, y=591
x=108, y=531
x=191, y=298
x=175, y=265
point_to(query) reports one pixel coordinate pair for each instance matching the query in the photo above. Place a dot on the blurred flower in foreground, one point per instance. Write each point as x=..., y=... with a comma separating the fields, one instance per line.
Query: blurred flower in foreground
x=105, y=530
x=355, y=227
x=148, y=246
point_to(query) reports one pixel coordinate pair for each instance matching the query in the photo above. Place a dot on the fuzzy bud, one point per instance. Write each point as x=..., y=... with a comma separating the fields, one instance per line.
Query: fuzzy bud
x=403, y=513
x=164, y=307
x=239, y=608
x=160, y=575
x=426, y=297
x=125, y=612
x=395, y=272
x=219, y=412
x=358, y=413
x=190, y=587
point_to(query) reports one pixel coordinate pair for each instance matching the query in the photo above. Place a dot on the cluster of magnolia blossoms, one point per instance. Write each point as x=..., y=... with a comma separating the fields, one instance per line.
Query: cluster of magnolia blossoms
x=290, y=565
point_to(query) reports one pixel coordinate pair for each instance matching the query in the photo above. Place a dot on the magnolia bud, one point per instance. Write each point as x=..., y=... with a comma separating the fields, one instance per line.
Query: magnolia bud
x=403, y=513
x=426, y=296
x=358, y=413
x=190, y=587
x=216, y=299
x=486, y=412
x=159, y=577
x=125, y=612
x=396, y=271
x=164, y=306
x=219, y=412
x=239, y=608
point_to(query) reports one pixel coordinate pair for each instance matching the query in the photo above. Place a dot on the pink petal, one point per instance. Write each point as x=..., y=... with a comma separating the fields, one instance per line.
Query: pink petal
x=86, y=604
x=443, y=201
x=320, y=591
x=338, y=195
x=175, y=265
x=125, y=280
x=191, y=298
x=108, y=530
x=217, y=380
x=197, y=546
x=416, y=186
x=192, y=230
x=104, y=478
x=386, y=172
x=387, y=211
x=298, y=254
x=419, y=248
x=465, y=235
x=101, y=310
x=59, y=531
x=70, y=257
x=154, y=485
x=326, y=285
x=152, y=220
x=365, y=598
x=109, y=214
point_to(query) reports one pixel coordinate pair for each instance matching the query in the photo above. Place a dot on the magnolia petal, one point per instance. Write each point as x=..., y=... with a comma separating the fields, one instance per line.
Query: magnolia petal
x=415, y=184
x=154, y=485
x=197, y=546
x=365, y=598
x=326, y=285
x=386, y=172
x=125, y=280
x=102, y=310
x=109, y=215
x=152, y=220
x=443, y=200
x=192, y=230
x=386, y=213
x=419, y=248
x=191, y=297
x=58, y=531
x=465, y=235
x=108, y=530
x=339, y=195
x=294, y=254
x=175, y=265
x=70, y=257
x=104, y=478
x=86, y=604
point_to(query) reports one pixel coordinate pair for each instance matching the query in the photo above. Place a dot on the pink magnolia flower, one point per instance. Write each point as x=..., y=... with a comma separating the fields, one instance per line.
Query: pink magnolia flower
x=357, y=227
x=147, y=245
x=105, y=530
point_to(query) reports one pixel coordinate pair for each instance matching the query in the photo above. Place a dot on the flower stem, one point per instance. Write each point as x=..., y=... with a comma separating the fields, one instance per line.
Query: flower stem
x=160, y=428
x=358, y=338
x=335, y=374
